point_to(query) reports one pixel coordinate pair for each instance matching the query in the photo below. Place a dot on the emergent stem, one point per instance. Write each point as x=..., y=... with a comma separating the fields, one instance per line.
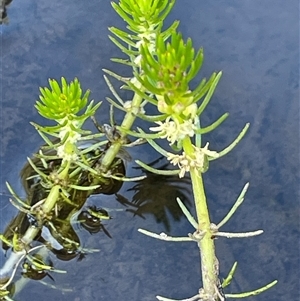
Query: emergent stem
x=129, y=119
x=209, y=262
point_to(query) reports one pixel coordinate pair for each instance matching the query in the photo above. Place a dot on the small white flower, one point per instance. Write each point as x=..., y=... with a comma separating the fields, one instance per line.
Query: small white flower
x=61, y=153
x=173, y=130
x=198, y=161
x=67, y=152
x=73, y=136
x=183, y=162
x=188, y=127
x=206, y=151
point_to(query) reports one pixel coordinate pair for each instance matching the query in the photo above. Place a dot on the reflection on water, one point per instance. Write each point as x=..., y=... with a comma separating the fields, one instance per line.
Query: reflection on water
x=53, y=229
x=3, y=11
x=153, y=196
x=156, y=194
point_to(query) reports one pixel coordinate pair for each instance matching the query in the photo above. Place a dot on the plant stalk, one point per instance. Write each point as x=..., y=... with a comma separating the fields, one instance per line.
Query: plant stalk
x=115, y=147
x=209, y=261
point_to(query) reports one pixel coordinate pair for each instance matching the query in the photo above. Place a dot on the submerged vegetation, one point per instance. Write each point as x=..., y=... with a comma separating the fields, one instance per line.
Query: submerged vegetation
x=74, y=163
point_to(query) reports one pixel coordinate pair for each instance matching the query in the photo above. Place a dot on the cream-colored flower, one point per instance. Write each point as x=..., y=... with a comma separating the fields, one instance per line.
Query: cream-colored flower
x=67, y=152
x=206, y=151
x=199, y=160
x=73, y=136
x=173, y=130
x=183, y=162
x=61, y=153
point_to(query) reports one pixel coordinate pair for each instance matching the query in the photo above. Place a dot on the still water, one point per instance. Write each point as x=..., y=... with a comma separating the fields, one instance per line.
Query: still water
x=256, y=45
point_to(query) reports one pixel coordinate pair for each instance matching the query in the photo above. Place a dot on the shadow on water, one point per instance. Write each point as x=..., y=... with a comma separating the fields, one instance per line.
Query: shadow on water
x=155, y=195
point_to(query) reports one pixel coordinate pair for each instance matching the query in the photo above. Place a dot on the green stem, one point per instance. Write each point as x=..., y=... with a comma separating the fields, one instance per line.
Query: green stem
x=209, y=262
x=51, y=199
x=129, y=119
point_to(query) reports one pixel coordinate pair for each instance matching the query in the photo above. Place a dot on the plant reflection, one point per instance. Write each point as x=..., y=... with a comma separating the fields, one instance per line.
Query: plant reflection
x=157, y=194
x=154, y=195
x=56, y=232
x=91, y=220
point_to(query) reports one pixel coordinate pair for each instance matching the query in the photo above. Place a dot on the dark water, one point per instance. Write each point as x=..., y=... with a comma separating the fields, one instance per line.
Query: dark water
x=255, y=43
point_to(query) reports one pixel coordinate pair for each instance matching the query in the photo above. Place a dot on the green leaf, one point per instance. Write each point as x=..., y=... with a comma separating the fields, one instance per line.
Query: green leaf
x=55, y=87
x=209, y=94
x=123, y=36
x=123, y=48
x=195, y=65
x=234, y=143
x=213, y=125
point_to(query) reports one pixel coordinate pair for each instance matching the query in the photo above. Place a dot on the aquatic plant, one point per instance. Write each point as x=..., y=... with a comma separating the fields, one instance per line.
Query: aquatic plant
x=75, y=163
